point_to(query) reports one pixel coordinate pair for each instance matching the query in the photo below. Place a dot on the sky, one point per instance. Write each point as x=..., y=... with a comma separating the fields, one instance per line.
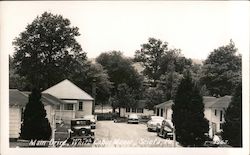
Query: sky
x=194, y=27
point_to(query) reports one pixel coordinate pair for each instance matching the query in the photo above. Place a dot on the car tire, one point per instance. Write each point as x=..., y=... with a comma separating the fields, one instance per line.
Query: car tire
x=165, y=136
x=149, y=130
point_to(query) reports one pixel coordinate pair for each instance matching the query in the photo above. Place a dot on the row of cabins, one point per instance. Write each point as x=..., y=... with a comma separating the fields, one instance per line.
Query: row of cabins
x=214, y=110
x=63, y=101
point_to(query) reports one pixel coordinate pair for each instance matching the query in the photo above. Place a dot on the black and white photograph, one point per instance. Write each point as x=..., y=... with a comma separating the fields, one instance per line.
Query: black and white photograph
x=124, y=77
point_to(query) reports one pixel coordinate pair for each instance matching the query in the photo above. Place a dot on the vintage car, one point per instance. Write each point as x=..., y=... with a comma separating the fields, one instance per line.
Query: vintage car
x=81, y=130
x=166, y=129
x=92, y=120
x=154, y=123
x=133, y=118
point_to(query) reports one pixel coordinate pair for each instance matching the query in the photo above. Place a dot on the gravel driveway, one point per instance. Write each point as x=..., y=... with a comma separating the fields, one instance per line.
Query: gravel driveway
x=110, y=134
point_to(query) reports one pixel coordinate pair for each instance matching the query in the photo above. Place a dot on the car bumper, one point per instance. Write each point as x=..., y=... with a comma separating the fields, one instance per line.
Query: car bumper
x=93, y=126
x=133, y=121
x=152, y=128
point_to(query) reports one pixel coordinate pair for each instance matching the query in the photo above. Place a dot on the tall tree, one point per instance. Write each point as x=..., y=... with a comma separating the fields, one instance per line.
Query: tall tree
x=157, y=59
x=35, y=124
x=188, y=114
x=46, y=52
x=121, y=72
x=221, y=71
x=232, y=128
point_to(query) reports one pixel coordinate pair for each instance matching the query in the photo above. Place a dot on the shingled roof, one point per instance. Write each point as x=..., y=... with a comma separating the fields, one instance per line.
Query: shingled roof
x=17, y=98
x=68, y=90
x=169, y=103
x=209, y=102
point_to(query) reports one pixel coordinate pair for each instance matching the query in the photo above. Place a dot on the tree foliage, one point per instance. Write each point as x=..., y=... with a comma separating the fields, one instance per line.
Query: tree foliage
x=232, y=127
x=127, y=83
x=125, y=96
x=221, y=71
x=46, y=52
x=153, y=96
x=35, y=124
x=85, y=78
x=158, y=59
x=188, y=114
x=169, y=83
x=15, y=80
x=119, y=69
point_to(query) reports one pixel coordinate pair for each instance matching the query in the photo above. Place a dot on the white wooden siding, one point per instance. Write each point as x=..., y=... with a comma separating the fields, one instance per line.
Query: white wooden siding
x=87, y=107
x=146, y=112
x=15, y=122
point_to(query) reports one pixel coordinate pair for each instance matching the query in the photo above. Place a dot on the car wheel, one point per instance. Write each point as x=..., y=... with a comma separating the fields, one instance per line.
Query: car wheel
x=149, y=129
x=165, y=136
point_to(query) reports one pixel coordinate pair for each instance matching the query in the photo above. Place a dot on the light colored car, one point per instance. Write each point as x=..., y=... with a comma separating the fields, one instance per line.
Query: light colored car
x=92, y=120
x=133, y=118
x=154, y=123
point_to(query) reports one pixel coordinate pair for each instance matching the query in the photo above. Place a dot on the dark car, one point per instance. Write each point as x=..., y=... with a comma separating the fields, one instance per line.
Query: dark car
x=81, y=129
x=166, y=129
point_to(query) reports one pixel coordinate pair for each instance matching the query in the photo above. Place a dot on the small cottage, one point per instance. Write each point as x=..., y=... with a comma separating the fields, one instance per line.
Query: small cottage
x=17, y=103
x=139, y=109
x=76, y=102
x=214, y=110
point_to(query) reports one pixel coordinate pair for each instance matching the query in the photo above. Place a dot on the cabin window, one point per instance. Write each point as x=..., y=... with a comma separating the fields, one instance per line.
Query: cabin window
x=221, y=126
x=215, y=112
x=221, y=115
x=80, y=106
x=68, y=106
x=161, y=112
x=133, y=110
x=158, y=112
x=58, y=107
x=127, y=109
x=139, y=110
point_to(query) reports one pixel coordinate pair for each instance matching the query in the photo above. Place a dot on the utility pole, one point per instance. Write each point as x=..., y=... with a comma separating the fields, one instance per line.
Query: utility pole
x=93, y=94
x=53, y=127
x=174, y=137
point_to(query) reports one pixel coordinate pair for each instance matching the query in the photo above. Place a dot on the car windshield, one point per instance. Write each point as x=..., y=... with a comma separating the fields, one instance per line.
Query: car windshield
x=157, y=120
x=169, y=123
x=80, y=122
x=133, y=116
x=89, y=117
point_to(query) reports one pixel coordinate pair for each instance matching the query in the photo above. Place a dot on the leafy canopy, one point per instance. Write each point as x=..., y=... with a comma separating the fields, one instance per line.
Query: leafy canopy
x=46, y=52
x=221, y=72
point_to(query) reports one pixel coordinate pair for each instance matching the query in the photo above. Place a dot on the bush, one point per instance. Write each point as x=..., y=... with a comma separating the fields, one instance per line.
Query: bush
x=35, y=124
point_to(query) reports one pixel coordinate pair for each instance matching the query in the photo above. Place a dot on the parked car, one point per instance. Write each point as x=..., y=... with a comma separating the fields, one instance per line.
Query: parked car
x=154, y=123
x=59, y=121
x=92, y=120
x=166, y=129
x=81, y=129
x=133, y=118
